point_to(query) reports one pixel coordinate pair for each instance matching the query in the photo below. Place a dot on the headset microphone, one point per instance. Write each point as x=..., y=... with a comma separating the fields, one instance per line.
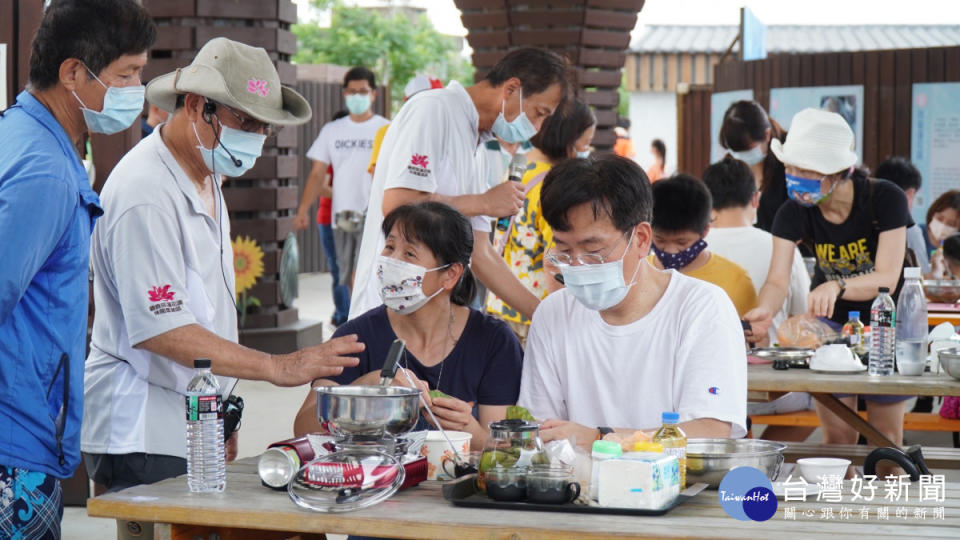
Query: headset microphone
x=210, y=110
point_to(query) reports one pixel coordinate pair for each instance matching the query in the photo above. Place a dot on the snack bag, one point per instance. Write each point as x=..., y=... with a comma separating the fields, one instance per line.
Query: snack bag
x=805, y=331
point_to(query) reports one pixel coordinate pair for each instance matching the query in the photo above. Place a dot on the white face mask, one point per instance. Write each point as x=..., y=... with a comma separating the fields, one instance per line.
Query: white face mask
x=401, y=284
x=941, y=230
x=752, y=156
x=598, y=286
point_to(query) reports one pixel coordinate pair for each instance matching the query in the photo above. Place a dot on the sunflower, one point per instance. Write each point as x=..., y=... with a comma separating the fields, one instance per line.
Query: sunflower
x=247, y=263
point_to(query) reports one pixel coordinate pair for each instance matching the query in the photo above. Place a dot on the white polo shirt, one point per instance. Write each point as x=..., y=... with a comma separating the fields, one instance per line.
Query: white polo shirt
x=433, y=145
x=686, y=356
x=346, y=145
x=160, y=262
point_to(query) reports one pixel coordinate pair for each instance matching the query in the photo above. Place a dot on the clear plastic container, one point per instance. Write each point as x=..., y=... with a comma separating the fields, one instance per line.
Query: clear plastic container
x=911, y=325
x=674, y=442
x=883, y=327
x=601, y=451
x=206, y=463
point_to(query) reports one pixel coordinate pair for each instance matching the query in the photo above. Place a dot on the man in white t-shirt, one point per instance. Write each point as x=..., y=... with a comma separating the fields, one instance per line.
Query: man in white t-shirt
x=163, y=267
x=624, y=342
x=732, y=234
x=432, y=151
x=344, y=144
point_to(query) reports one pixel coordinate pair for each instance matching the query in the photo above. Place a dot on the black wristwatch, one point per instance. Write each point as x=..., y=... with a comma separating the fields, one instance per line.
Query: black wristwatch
x=843, y=287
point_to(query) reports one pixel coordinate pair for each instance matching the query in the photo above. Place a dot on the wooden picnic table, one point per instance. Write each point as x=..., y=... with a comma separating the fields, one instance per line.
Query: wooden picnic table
x=249, y=510
x=765, y=383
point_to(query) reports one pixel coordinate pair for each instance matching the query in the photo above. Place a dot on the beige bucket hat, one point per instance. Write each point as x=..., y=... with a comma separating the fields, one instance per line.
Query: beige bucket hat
x=236, y=75
x=817, y=140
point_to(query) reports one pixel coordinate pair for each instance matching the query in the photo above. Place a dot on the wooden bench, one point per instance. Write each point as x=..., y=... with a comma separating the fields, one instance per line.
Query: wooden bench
x=911, y=422
x=935, y=457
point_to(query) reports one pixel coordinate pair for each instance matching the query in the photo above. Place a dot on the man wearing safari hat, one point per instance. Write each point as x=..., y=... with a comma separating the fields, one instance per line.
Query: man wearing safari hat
x=163, y=267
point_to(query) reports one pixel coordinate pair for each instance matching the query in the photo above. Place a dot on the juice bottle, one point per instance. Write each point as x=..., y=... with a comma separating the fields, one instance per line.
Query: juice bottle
x=853, y=332
x=674, y=442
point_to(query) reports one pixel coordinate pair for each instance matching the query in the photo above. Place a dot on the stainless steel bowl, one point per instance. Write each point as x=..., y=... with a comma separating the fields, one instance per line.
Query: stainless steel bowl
x=367, y=411
x=945, y=291
x=950, y=361
x=708, y=460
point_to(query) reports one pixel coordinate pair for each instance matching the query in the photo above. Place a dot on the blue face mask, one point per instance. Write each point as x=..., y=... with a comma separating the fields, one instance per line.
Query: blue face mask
x=752, y=156
x=518, y=130
x=246, y=148
x=358, y=103
x=676, y=261
x=583, y=155
x=806, y=191
x=121, y=106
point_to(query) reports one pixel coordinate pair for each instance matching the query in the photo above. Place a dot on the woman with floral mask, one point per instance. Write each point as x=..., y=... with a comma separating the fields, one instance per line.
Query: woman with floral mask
x=746, y=133
x=426, y=285
x=855, y=225
x=943, y=220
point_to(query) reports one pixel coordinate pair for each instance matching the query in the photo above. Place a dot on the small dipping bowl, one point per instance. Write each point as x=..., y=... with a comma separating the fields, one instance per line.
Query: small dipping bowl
x=815, y=468
x=506, y=484
x=551, y=485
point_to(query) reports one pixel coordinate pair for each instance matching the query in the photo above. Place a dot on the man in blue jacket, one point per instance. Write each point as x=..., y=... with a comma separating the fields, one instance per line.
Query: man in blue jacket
x=84, y=77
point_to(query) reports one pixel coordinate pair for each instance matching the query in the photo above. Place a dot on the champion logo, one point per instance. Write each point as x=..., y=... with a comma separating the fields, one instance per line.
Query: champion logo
x=418, y=160
x=160, y=294
x=713, y=390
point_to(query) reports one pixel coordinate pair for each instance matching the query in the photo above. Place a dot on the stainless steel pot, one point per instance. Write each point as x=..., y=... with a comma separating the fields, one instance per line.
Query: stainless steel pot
x=367, y=411
x=350, y=220
x=708, y=460
x=950, y=361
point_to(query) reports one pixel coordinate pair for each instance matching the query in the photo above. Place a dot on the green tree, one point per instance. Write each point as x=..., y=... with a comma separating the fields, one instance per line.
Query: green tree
x=396, y=47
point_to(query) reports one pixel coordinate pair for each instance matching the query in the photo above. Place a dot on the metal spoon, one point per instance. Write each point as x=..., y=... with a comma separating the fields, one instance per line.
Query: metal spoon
x=456, y=455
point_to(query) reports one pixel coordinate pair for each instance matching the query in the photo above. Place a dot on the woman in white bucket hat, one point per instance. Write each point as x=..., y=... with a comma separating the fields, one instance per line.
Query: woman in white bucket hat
x=855, y=225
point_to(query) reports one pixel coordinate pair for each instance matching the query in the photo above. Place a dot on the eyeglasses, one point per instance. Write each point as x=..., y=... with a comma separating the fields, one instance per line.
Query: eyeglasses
x=558, y=258
x=251, y=125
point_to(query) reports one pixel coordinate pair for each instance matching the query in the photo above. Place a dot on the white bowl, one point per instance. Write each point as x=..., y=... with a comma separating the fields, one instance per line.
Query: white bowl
x=813, y=469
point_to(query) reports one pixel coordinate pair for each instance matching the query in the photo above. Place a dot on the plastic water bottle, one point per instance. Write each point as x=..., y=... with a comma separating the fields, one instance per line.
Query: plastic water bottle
x=883, y=327
x=674, y=442
x=206, y=463
x=853, y=331
x=911, y=324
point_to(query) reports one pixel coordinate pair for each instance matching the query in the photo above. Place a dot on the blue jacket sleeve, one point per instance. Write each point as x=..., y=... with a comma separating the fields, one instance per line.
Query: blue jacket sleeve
x=34, y=213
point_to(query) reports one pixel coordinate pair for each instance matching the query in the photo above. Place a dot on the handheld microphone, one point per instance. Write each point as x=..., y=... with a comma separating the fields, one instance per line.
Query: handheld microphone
x=518, y=165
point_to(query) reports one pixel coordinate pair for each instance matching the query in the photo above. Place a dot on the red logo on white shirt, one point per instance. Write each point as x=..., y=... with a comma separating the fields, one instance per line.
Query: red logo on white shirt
x=162, y=301
x=160, y=294
x=419, y=160
x=418, y=165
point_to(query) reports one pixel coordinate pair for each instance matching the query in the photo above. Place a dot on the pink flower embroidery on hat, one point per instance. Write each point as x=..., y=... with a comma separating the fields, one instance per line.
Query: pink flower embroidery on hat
x=258, y=86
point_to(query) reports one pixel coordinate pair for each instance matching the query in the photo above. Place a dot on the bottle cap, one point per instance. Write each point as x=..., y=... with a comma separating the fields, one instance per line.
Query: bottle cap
x=884, y=289
x=853, y=315
x=911, y=272
x=608, y=448
x=671, y=418
x=201, y=363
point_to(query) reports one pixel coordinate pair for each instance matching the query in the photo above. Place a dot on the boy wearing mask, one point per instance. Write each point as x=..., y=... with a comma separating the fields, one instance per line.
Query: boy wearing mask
x=681, y=221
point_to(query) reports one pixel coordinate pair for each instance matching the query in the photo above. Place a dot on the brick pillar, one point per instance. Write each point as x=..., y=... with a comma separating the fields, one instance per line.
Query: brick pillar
x=593, y=34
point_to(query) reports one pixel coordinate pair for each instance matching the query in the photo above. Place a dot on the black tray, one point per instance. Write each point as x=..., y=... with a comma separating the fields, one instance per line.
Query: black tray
x=463, y=492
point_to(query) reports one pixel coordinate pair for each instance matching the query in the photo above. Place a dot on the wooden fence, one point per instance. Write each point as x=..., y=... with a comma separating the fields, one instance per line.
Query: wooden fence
x=887, y=78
